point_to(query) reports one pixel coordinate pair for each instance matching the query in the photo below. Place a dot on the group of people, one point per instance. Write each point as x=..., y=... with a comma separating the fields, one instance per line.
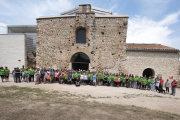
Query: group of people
x=81, y=77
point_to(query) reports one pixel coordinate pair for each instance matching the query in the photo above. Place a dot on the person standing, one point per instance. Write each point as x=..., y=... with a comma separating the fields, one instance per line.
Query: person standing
x=157, y=84
x=37, y=74
x=152, y=83
x=109, y=79
x=161, y=83
x=2, y=74
x=174, y=85
x=167, y=86
x=22, y=73
x=13, y=73
x=18, y=72
x=7, y=71
x=94, y=79
x=102, y=75
x=31, y=75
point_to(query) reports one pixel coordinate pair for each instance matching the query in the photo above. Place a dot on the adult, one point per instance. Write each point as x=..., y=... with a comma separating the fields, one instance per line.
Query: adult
x=135, y=81
x=37, y=74
x=82, y=78
x=14, y=74
x=161, y=83
x=152, y=83
x=26, y=74
x=174, y=85
x=2, y=74
x=94, y=79
x=31, y=74
x=7, y=71
x=102, y=75
x=157, y=84
x=167, y=85
x=22, y=73
x=18, y=72
x=42, y=72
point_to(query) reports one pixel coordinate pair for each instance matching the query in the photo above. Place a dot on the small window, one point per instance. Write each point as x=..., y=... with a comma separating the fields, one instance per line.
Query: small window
x=81, y=36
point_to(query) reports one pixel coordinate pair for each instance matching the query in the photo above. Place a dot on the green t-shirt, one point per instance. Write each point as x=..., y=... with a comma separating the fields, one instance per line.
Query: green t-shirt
x=140, y=79
x=149, y=80
x=79, y=74
x=102, y=76
x=91, y=76
x=32, y=71
x=6, y=72
x=109, y=78
x=144, y=82
x=112, y=78
x=153, y=80
x=137, y=79
x=115, y=78
x=66, y=76
x=2, y=72
x=74, y=75
x=23, y=69
x=26, y=71
x=124, y=79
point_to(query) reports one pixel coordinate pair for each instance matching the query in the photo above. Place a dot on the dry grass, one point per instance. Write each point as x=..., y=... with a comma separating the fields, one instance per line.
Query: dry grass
x=26, y=103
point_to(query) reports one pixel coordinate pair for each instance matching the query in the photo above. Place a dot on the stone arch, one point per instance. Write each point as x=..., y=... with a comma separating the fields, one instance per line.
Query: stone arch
x=77, y=51
x=148, y=72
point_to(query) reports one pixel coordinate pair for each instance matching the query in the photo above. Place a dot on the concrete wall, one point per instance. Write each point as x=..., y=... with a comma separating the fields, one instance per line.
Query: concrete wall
x=105, y=41
x=12, y=49
x=164, y=63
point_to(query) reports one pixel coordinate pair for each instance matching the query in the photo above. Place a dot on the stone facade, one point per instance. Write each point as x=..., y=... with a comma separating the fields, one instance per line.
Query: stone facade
x=105, y=41
x=162, y=63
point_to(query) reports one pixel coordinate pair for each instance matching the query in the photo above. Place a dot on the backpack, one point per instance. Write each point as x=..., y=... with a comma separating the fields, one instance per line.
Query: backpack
x=26, y=75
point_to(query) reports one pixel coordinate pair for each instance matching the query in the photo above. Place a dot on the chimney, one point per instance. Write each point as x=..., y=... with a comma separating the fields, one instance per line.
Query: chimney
x=85, y=8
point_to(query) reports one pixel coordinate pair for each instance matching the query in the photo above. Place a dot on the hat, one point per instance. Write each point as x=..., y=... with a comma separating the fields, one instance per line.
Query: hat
x=26, y=68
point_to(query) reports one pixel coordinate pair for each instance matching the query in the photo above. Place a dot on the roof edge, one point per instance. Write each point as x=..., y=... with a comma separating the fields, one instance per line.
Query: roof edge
x=155, y=50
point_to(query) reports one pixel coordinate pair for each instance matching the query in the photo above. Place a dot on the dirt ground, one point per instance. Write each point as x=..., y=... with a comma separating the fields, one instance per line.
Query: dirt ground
x=84, y=102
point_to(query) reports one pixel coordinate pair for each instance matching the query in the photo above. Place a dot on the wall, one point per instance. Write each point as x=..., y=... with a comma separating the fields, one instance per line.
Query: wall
x=56, y=41
x=165, y=63
x=12, y=49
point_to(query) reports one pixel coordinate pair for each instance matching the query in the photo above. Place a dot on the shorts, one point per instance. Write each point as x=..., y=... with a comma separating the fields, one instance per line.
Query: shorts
x=94, y=81
x=6, y=76
x=45, y=76
x=2, y=76
x=37, y=77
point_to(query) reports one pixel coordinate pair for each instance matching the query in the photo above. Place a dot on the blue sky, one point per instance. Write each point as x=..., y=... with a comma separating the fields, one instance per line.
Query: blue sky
x=150, y=21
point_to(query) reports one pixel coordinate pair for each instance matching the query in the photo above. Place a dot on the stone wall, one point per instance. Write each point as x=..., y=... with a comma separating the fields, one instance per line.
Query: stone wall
x=105, y=41
x=164, y=63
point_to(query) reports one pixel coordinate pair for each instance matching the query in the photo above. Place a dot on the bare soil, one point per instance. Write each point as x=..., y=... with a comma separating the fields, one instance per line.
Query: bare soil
x=54, y=101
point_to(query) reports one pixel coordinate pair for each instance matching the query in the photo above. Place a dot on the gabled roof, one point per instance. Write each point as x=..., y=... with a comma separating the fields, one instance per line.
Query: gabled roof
x=93, y=9
x=149, y=47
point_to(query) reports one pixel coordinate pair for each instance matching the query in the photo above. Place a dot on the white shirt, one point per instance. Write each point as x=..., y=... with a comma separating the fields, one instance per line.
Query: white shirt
x=157, y=83
x=167, y=84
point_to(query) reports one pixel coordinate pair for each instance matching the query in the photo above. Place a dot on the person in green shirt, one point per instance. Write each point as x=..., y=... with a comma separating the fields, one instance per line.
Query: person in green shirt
x=31, y=74
x=91, y=78
x=140, y=82
x=124, y=80
x=144, y=82
x=74, y=77
x=131, y=82
x=109, y=77
x=152, y=84
x=102, y=75
x=2, y=74
x=135, y=81
x=148, y=82
x=26, y=72
x=7, y=71
x=22, y=73
x=66, y=77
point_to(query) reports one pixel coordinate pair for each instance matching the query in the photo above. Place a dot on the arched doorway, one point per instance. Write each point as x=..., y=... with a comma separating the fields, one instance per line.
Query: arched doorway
x=80, y=61
x=148, y=72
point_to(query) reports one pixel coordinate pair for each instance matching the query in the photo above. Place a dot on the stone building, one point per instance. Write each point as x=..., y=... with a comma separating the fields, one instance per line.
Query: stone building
x=91, y=38
x=82, y=39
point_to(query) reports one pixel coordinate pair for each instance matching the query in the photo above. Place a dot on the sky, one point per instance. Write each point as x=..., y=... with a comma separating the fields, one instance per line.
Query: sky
x=150, y=21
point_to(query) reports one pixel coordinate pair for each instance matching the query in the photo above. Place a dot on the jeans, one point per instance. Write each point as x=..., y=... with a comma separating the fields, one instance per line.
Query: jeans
x=173, y=91
x=132, y=84
x=167, y=89
x=18, y=77
x=152, y=86
x=135, y=85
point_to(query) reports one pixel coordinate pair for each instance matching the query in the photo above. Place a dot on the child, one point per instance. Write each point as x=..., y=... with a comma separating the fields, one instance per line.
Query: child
x=167, y=86
x=77, y=81
x=157, y=84
x=48, y=77
x=94, y=79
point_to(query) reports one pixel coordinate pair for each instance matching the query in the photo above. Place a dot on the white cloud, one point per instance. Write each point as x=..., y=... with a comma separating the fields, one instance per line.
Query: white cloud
x=144, y=30
x=26, y=11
